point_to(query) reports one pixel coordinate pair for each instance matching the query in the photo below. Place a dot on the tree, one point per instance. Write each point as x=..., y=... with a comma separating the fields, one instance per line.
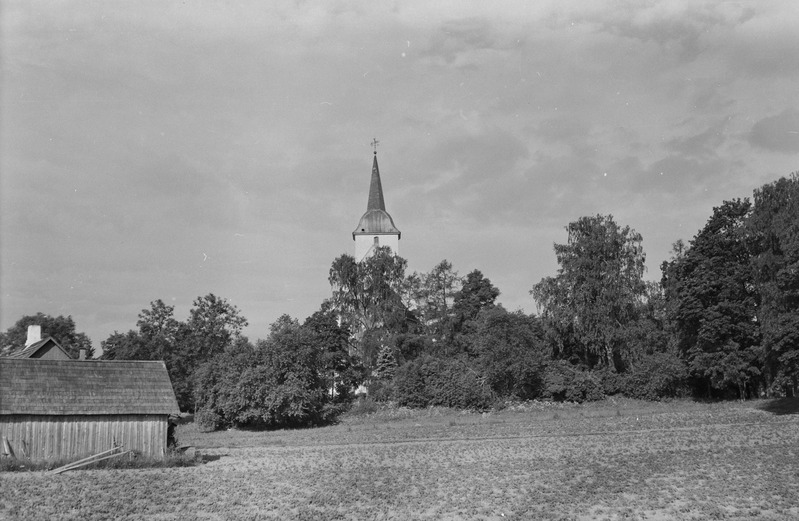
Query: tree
x=476, y=294
x=712, y=302
x=158, y=321
x=214, y=325
x=61, y=328
x=386, y=363
x=433, y=294
x=508, y=350
x=369, y=297
x=281, y=382
x=588, y=305
x=341, y=371
x=774, y=229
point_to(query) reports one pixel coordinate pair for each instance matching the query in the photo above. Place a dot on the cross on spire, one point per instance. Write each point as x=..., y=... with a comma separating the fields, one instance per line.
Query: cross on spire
x=375, y=142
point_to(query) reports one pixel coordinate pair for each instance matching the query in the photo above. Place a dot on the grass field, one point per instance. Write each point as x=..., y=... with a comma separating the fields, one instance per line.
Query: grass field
x=610, y=460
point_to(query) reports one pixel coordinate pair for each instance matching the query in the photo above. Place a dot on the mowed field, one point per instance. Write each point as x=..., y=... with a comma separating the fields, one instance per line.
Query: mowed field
x=611, y=460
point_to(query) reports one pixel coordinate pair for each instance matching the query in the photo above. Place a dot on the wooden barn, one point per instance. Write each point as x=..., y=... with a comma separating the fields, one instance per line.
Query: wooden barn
x=65, y=409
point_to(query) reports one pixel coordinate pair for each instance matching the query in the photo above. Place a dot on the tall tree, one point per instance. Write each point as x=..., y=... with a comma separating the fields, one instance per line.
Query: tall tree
x=774, y=228
x=214, y=325
x=369, y=296
x=589, y=304
x=433, y=295
x=158, y=321
x=340, y=371
x=712, y=302
x=508, y=350
x=61, y=328
x=476, y=294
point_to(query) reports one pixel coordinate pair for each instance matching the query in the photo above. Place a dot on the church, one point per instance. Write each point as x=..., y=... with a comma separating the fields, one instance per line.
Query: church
x=376, y=227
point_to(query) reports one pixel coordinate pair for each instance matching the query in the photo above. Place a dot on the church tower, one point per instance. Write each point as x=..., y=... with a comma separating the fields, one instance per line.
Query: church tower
x=376, y=227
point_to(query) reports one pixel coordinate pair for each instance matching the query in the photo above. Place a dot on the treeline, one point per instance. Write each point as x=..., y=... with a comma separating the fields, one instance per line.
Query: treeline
x=722, y=323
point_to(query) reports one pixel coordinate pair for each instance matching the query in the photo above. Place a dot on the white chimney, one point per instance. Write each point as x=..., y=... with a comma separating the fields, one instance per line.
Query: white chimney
x=82, y=354
x=34, y=335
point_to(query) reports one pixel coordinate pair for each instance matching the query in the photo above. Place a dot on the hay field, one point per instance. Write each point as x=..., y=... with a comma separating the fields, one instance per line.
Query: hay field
x=613, y=460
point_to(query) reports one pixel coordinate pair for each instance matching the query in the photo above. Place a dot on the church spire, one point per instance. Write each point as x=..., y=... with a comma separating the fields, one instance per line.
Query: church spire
x=376, y=201
x=376, y=227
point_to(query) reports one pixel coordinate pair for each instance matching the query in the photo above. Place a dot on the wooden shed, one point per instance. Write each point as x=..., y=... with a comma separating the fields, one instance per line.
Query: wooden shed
x=65, y=409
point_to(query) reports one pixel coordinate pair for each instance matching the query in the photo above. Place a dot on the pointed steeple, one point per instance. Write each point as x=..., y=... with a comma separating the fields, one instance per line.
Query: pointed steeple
x=376, y=201
x=376, y=227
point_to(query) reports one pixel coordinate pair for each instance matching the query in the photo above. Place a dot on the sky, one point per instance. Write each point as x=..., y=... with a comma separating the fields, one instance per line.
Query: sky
x=167, y=150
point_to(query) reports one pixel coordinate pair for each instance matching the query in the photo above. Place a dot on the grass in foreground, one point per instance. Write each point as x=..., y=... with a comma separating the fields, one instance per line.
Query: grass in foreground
x=614, y=460
x=124, y=461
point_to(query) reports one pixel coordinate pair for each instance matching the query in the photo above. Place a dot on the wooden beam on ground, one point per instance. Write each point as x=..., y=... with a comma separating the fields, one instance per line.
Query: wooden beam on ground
x=87, y=461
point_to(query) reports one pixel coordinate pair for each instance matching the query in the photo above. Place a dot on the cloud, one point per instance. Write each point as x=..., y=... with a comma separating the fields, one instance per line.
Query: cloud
x=159, y=133
x=703, y=144
x=778, y=133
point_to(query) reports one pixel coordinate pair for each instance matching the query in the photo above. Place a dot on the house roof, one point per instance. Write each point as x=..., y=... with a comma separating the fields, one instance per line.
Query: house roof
x=59, y=387
x=376, y=220
x=34, y=349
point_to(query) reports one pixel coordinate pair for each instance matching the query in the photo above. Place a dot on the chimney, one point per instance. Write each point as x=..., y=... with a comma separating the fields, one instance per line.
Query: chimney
x=82, y=354
x=34, y=335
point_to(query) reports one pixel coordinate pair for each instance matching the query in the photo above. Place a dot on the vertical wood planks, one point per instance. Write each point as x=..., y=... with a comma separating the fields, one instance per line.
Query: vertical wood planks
x=70, y=436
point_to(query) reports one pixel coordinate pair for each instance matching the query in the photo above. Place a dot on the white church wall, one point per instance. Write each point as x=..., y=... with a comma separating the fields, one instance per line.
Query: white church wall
x=364, y=244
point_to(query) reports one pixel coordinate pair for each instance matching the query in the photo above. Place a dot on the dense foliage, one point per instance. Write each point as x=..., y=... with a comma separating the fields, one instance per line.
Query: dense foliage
x=723, y=322
x=214, y=325
x=61, y=328
x=299, y=376
x=589, y=307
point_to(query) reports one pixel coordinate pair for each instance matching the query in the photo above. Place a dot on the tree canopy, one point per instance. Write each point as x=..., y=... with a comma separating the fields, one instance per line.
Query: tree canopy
x=723, y=322
x=214, y=325
x=589, y=304
x=61, y=328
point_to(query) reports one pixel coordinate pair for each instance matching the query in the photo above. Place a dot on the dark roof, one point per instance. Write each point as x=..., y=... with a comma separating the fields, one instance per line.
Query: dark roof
x=376, y=220
x=58, y=387
x=32, y=351
x=376, y=201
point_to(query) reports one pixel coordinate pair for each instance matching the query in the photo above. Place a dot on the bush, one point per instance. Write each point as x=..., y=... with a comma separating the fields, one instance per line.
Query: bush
x=280, y=382
x=207, y=421
x=430, y=381
x=563, y=381
x=612, y=382
x=363, y=406
x=409, y=385
x=381, y=390
x=656, y=376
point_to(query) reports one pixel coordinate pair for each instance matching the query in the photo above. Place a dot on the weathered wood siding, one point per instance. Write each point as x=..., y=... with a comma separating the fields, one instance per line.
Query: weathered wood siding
x=43, y=437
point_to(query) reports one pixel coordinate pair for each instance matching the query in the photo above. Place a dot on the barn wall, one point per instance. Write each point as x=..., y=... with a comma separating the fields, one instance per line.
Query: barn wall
x=69, y=437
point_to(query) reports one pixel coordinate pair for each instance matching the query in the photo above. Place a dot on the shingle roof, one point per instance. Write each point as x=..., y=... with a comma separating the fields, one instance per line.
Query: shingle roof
x=58, y=387
x=376, y=220
x=376, y=201
x=30, y=351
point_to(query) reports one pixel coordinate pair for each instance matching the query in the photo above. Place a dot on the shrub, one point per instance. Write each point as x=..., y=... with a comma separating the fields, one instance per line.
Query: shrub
x=656, y=376
x=280, y=382
x=363, y=406
x=409, y=385
x=207, y=421
x=563, y=381
x=612, y=382
x=381, y=390
x=430, y=381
